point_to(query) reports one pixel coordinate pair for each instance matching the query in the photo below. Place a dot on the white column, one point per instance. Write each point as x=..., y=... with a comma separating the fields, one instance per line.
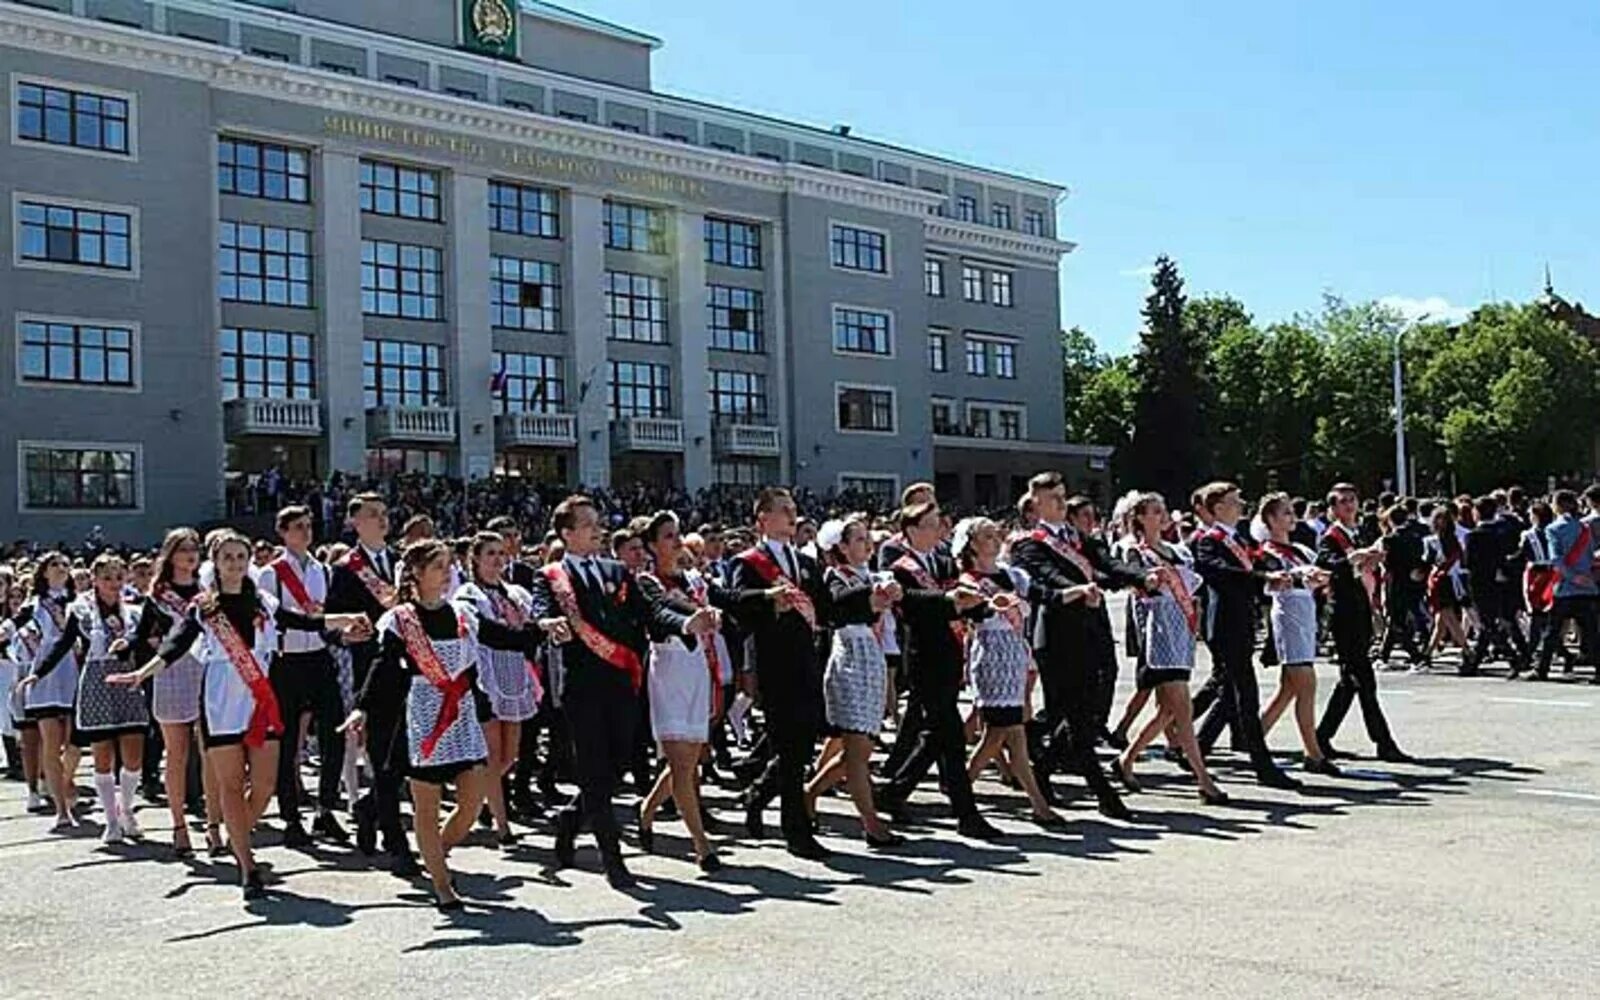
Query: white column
x=339, y=267
x=588, y=388
x=687, y=321
x=777, y=348
x=470, y=345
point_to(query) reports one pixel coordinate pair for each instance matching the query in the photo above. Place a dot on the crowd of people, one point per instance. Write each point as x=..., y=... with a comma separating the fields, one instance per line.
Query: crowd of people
x=519, y=676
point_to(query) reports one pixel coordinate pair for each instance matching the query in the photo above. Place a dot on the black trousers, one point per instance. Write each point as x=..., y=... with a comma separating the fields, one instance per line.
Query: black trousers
x=1070, y=729
x=905, y=737
x=1239, y=703
x=1214, y=696
x=1357, y=682
x=1580, y=609
x=308, y=682
x=1498, y=628
x=940, y=739
x=1400, y=612
x=791, y=716
x=602, y=710
x=387, y=751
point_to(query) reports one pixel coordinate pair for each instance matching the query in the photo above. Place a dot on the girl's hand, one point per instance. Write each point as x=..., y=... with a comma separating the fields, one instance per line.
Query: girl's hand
x=117, y=648
x=354, y=724
x=131, y=678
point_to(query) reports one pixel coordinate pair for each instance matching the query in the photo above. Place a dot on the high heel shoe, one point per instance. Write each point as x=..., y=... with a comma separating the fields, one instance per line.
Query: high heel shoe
x=710, y=863
x=888, y=841
x=254, y=888
x=1128, y=780
x=181, y=848
x=214, y=845
x=1214, y=797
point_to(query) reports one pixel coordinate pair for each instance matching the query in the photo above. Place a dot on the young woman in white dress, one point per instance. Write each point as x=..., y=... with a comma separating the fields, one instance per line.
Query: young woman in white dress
x=48, y=705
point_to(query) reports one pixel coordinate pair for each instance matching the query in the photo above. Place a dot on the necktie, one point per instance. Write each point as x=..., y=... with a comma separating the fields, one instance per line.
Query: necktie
x=382, y=561
x=792, y=566
x=591, y=575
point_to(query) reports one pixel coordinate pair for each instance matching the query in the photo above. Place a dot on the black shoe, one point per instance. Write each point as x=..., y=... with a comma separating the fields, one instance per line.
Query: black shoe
x=451, y=905
x=1117, y=740
x=1110, y=804
x=328, y=828
x=1329, y=752
x=1321, y=765
x=710, y=864
x=507, y=840
x=753, y=824
x=975, y=827
x=403, y=865
x=365, y=812
x=1050, y=822
x=253, y=886
x=647, y=839
x=566, y=838
x=618, y=876
x=295, y=837
x=1275, y=778
x=1215, y=797
x=887, y=842
x=808, y=849
x=891, y=804
x=668, y=809
x=1389, y=753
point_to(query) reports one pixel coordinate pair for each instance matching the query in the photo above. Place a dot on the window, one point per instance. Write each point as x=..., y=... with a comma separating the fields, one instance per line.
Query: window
x=639, y=228
x=1000, y=288
x=401, y=81
x=938, y=351
x=971, y=283
x=266, y=264
x=739, y=396
x=387, y=189
x=73, y=354
x=978, y=422
x=401, y=279
x=861, y=331
x=882, y=491
x=1005, y=359
x=266, y=364
x=944, y=421
x=63, y=477
x=733, y=244
x=85, y=237
x=78, y=118
x=977, y=357
x=525, y=294
x=1010, y=424
x=1000, y=215
x=383, y=463
x=967, y=208
x=999, y=421
x=263, y=170
x=400, y=373
x=626, y=127
x=516, y=105
x=859, y=249
x=526, y=211
x=528, y=383
x=865, y=408
x=640, y=389
x=636, y=306
x=339, y=68
x=741, y=473
x=933, y=277
x=462, y=92
x=1033, y=222
x=736, y=319
x=572, y=116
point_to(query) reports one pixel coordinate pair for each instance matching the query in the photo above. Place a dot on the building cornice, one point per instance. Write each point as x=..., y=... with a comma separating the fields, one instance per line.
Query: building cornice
x=225, y=69
x=1058, y=448
x=969, y=237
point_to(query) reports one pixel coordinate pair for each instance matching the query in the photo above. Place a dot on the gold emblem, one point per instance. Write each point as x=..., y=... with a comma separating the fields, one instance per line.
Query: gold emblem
x=493, y=21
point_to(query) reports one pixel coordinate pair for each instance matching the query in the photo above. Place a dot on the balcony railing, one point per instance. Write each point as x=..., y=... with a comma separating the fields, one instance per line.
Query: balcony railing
x=749, y=440
x=647, y=434
x=411, y=423
x=272, y=418
x=536, y=430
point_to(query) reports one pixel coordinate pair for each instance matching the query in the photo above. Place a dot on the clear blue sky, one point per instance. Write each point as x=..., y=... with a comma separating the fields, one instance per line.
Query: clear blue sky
x=1423, y=150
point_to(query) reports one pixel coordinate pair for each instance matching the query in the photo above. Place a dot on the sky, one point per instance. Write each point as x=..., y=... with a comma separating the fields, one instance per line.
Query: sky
x=1434, y=154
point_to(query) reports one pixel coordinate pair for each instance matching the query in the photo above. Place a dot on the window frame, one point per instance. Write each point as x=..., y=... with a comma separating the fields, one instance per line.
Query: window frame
x=132, y=328
x=756, y=329
x=263, y=147
x=892, y=478
x=939, y=335
x=751, y=248
x=369, y=189
x=502, y=398
x=500, y=309
x=134, y=449
x=974, y=284
x=521, y=209
x=1001, y=215
x=966, y=208
x=840, y=308
x=1033, y=223
x=653, y=325
x=754, y=389
x=952, y=428
x=993, y=409
x=400, y=271
x=654, y=226
x=614, y=387
x=290, y=362
x=130, y=123
x=263, y=274
x=894, y=408
x=933, y=283
x=76, y=206
x=1000, y=279
x=837, y=247
x=378, y=366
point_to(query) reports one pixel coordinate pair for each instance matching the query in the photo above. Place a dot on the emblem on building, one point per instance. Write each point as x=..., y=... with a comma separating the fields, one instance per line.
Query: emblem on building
x=493, y=21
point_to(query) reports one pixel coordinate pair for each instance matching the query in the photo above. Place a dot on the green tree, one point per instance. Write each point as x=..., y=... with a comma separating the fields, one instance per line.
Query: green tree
x=1354, y=436
x=1168, y=451
x=1081, y=360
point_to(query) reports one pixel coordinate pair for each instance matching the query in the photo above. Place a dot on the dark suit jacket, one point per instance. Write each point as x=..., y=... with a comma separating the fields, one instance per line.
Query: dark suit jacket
x=789, y=654
x=1352, y=610
x=1069, y=629
x=620, y=610
x=1235, y=587
x=931, y=648
x=348, y=595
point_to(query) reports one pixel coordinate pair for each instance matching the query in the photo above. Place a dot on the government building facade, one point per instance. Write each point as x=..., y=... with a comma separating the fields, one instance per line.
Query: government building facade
x=467, y=237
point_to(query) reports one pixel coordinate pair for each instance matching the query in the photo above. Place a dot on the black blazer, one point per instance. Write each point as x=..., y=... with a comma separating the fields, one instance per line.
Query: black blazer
x=620, y=610
x=1067, y=628
x=931, y=646
x=788, y=652
x=348, y=595
x=1352, y=610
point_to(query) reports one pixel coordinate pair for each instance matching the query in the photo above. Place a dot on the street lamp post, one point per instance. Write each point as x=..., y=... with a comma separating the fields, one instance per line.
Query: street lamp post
x=1400, y=411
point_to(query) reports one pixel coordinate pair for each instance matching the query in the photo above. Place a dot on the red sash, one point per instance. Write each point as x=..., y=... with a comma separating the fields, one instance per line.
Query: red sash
x=598, y=643
x=1346, y=545
x=170, y=600
x=1071, y=553
x=512, y=616
x=358, y=563
x=1238, y=551
x=1173, y=581
x=289, y=579
x=420, y=651
x=698, y=595
x=265, y=719
x=911, y=564
x=1015, y=617
x=759, y=558
x=1438, y=576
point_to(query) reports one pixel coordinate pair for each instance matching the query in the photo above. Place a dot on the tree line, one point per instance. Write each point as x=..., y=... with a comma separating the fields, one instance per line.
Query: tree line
x=1508, y=395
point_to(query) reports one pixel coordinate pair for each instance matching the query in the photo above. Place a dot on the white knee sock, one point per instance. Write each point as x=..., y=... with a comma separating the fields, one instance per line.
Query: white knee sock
x=129, y=782
x=105, y=785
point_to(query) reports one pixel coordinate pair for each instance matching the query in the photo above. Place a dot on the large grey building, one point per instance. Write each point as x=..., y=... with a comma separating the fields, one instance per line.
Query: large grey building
x=467, y=236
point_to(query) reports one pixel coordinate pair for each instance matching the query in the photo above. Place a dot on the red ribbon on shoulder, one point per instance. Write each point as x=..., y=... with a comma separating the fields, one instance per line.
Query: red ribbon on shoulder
x=598, y=643
x=266, y=722
x=420, y=651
